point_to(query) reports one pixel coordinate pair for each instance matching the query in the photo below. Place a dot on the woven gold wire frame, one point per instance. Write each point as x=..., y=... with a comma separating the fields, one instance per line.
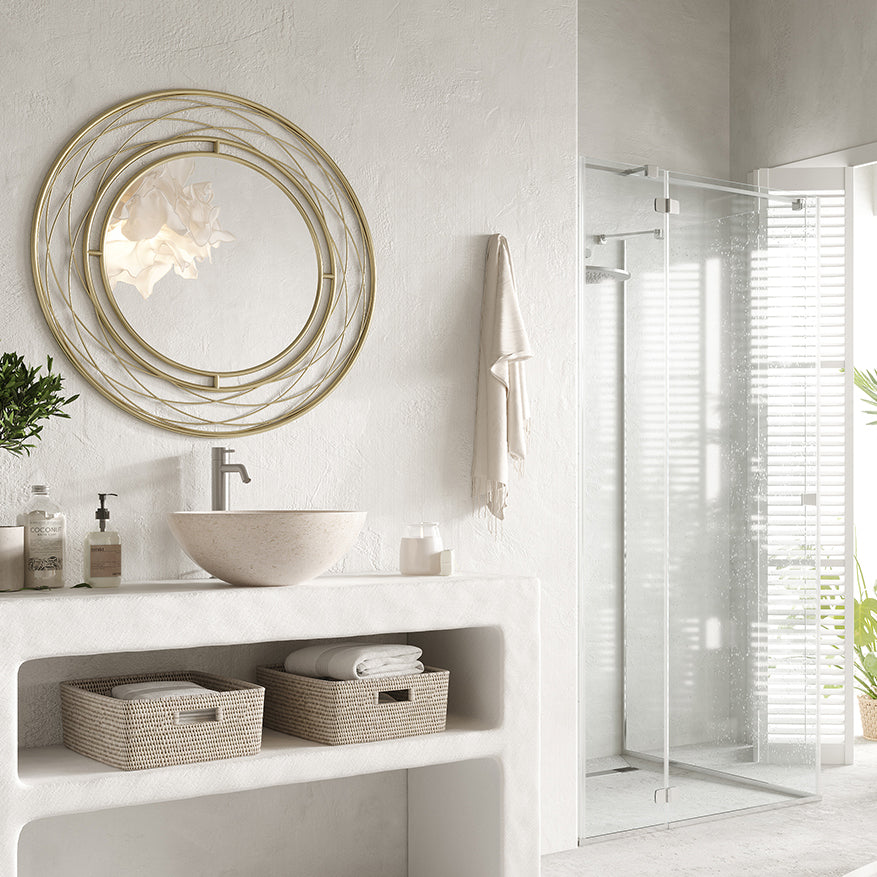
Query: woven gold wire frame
x=71, y=282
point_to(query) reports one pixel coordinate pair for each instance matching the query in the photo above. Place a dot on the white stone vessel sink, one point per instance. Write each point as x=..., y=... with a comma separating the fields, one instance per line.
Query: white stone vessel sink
x=266, y=547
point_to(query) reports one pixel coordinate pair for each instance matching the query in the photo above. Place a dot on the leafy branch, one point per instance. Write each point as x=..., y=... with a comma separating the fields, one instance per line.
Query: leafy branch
x=26, y=399
x=865, y=607
x=865, y=637
x=866, y=381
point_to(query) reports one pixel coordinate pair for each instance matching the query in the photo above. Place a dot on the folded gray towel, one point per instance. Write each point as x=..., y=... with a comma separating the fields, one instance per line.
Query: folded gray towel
x=158, y=690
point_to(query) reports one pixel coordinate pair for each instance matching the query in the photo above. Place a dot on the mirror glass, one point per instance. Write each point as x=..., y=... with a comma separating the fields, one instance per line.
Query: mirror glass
x=210, y=263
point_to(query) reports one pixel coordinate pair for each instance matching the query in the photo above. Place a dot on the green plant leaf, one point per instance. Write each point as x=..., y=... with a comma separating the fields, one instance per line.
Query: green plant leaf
x=865, y=620
x=27, y=398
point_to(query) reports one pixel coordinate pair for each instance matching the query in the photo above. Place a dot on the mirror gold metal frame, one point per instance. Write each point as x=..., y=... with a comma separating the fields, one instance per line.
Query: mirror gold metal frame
x=69, y=226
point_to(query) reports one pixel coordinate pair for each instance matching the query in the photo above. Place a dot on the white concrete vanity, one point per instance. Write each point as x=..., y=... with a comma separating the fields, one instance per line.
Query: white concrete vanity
x=472, y=791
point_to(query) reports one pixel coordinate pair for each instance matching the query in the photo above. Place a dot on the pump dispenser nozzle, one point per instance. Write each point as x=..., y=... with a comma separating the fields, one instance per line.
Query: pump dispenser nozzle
x=103, y=513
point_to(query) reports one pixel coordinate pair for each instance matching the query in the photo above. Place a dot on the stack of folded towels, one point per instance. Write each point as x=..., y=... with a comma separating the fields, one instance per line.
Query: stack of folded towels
x=161, y=689
x=352, y=660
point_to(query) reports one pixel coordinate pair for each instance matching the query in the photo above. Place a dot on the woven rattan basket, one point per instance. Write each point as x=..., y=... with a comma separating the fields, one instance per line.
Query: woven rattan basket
x=357, y=710
x=136, y=734
x=868, y=711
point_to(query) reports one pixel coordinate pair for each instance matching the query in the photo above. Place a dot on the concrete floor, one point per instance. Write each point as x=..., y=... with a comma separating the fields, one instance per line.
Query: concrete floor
x=828, y=838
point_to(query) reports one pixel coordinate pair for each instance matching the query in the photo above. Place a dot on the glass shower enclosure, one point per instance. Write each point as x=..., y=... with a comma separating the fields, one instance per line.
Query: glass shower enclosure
x=699, y=592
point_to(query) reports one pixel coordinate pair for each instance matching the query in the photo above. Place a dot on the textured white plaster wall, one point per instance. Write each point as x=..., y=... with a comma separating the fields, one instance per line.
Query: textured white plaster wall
x=653, y=83
x=864, y=357
x=803, y=78
x=653, y=88
x=451, y=121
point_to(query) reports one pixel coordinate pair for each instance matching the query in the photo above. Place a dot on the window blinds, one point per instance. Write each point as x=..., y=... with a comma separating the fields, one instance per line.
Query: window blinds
x=798, y=385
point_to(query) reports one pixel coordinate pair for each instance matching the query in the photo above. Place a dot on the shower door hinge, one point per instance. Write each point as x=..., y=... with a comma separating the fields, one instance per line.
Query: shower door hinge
x=665, y=796
x=808, y=499
x=666, y=205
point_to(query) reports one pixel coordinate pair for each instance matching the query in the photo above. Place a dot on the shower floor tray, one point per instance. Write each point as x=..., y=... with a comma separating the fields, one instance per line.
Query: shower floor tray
x=620, y=795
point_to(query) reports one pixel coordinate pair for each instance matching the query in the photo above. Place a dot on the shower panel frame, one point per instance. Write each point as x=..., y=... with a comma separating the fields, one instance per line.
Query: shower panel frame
x=663, y=796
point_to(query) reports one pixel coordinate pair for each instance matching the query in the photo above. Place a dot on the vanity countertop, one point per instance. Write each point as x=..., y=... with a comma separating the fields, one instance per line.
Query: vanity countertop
x=214, y=586
x=187, y=613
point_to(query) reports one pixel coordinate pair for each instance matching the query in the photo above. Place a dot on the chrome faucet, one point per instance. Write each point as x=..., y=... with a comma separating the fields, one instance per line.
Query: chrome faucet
x=220, y=469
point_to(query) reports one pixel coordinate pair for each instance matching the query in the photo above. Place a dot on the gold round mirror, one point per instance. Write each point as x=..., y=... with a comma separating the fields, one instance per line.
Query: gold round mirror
x=203, y=263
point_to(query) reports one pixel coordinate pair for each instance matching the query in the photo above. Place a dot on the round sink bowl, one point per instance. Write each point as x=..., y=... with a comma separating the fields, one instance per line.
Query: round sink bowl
x=266, y=547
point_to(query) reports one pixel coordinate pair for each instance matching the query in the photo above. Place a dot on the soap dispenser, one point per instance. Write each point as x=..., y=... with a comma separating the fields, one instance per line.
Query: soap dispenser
x=102, y=554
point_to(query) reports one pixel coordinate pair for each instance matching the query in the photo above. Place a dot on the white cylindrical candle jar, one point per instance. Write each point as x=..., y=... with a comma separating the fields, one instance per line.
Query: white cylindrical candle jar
x=420, y=550
x=11, y=558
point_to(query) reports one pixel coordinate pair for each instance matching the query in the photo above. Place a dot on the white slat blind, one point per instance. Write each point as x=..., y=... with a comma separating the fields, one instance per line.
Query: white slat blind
x=798, y=348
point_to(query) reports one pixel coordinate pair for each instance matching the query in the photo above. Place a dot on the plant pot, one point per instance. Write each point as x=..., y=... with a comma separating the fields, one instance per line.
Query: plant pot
x=868, y=711
x=11, y=558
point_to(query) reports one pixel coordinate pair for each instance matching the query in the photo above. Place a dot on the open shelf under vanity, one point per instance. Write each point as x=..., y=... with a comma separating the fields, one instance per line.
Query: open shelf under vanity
x=449, y=797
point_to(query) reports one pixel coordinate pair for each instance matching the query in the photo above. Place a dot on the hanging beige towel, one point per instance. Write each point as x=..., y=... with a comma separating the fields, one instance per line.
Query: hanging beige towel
x=502, y=411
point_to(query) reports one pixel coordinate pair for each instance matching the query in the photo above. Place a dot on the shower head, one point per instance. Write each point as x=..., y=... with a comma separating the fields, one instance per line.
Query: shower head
x=599, y=274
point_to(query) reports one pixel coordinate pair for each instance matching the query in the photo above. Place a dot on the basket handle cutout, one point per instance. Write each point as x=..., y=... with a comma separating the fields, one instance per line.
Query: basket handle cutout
x=399, y=696
x=196, y=717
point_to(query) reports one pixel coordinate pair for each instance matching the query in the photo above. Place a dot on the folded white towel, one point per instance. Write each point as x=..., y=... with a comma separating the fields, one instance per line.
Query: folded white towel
x=502, y=409
x=352, y=660
x=158, y=690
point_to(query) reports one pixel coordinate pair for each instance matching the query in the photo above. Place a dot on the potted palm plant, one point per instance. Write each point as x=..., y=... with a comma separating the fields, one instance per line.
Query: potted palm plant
x=865, y=649
x=865, y=607
x=27, y=398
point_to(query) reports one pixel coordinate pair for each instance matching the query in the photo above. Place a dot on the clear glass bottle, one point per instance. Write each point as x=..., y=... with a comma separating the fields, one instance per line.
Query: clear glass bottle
x=45, y=537
x=102, y=552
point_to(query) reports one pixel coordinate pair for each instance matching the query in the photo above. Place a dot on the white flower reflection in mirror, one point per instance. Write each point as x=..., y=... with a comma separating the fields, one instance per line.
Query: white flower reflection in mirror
x=162, y=222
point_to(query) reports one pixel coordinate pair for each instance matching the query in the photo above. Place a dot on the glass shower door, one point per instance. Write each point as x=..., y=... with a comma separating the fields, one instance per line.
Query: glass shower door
x=743, y=589
x=625, y=638
x=646, y=425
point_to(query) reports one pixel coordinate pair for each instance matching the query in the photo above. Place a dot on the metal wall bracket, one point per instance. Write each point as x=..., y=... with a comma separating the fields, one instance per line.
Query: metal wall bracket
x=666, y=205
